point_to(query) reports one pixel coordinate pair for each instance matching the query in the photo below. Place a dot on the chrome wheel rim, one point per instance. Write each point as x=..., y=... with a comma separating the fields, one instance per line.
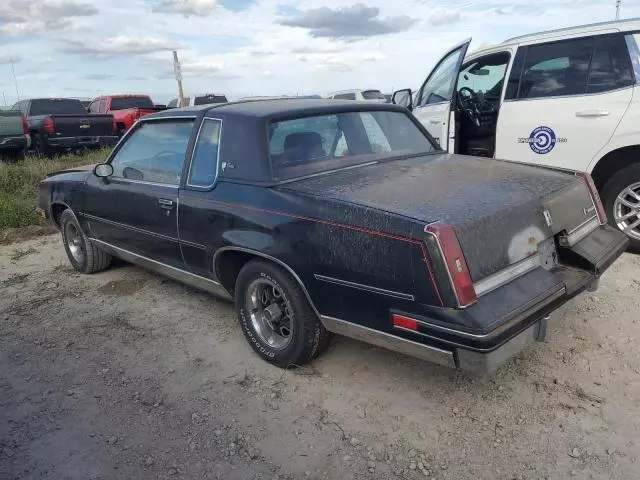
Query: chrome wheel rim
x=270, y=313
x=74, y=242
x=626, y=210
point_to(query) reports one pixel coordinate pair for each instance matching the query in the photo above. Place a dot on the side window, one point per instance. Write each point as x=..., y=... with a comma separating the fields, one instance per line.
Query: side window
x=202, y=172
x=513, y=83
x=345, y=96
x=557, y=69
x=633, y=43
x=154, y=152
x=377, y=138
x=439, y=87
x=102, y=107
x=485, y=74
x=610, y=65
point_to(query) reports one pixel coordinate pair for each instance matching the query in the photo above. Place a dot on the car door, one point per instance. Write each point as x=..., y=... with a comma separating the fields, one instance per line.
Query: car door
x=433, y=104
x=135, y=208
x=564, y=101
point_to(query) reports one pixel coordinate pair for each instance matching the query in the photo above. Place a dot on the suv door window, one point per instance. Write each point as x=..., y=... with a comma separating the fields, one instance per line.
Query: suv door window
x=610, y=65
x=202, y=172
x=439, y=87
x=154, y=152
x=634, y=51
x=485, y=74
x=557, y=69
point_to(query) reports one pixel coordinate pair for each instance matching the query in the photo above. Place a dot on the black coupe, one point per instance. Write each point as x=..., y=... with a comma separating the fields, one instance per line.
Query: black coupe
x=321, y=216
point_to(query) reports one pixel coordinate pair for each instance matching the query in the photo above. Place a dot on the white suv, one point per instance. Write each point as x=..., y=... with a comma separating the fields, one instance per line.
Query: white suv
x=566, y=98
x=370, y=95
x=200, y=99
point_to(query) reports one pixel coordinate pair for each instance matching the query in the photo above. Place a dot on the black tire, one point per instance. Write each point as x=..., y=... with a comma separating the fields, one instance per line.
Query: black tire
x=308, y=337
x=614, y=186
x=40, y=147
x=92, y=259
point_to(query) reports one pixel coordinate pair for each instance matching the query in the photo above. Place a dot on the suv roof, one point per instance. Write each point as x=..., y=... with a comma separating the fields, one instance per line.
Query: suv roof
x=621, y=25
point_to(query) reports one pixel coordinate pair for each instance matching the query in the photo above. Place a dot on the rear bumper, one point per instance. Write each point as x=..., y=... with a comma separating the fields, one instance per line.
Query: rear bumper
x=82, y=142
x=19, y=142
x=512, y=317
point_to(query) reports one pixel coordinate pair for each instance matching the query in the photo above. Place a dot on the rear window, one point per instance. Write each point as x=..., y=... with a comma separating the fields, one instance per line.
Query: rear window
x=55, y=106
x=373, y=95
x=310, y=145
x=131, y=102
x=345, y=96
x=208, y=99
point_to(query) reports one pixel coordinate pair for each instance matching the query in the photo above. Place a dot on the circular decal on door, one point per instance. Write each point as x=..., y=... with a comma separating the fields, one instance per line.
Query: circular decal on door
x=542, y=140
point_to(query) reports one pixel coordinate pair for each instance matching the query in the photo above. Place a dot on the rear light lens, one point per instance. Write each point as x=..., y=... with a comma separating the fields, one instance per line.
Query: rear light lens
x=49, y=125
x=602, y=215
x=25, y=125
x=404, y=322
x=455, y=262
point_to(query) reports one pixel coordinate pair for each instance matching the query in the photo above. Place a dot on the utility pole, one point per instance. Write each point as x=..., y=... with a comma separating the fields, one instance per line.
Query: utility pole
x=15, y=82
x=4, y=99
x=618, y=2
x=177, y=70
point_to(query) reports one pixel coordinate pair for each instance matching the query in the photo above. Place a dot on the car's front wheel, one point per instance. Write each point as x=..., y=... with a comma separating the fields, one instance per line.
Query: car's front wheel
x=84, y=256
x=621, y=199
x=276, y=316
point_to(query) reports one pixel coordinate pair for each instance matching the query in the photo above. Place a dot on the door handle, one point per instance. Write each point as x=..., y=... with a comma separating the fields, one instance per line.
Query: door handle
x=435, y=121
x=601, y=112
x=165, y=203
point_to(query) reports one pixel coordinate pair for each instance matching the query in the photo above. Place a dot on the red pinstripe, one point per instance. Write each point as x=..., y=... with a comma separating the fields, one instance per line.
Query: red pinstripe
x=348, y=227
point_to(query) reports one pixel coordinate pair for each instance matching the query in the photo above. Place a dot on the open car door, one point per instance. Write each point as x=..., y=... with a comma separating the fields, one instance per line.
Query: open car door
x=434, y=104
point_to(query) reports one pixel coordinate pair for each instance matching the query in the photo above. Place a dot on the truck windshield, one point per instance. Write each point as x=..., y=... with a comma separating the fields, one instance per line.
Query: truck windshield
x=310, y=145
x=56, y=106
x=123, y=103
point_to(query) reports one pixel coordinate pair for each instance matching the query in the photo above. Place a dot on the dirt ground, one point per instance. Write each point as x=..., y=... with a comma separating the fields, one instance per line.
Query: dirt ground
x=124, y=374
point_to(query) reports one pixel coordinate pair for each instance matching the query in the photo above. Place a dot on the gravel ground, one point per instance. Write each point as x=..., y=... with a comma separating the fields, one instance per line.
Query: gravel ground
x=124, y=374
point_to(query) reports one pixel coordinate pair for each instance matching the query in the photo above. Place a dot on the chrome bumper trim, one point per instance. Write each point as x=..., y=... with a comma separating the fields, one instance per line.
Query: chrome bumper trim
x=388, y=341
x=506, y=275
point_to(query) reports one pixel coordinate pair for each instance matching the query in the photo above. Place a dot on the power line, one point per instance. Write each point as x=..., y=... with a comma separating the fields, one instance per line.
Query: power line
x=15, y=82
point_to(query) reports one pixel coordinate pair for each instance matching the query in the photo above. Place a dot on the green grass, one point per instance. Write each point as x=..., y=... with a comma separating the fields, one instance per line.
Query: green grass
x=19, y=183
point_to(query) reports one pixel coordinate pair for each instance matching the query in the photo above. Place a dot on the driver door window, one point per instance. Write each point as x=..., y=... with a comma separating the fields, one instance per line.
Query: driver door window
x=439, y=86
x=154, y=152
x=484, y=75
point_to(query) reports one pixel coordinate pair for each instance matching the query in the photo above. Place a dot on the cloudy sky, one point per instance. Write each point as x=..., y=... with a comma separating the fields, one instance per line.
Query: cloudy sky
x=84, y=48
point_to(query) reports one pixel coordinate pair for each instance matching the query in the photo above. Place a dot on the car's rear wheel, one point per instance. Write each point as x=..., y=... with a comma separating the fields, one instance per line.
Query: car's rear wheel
x=621, y=199
x=84, y=256
x=276, y=316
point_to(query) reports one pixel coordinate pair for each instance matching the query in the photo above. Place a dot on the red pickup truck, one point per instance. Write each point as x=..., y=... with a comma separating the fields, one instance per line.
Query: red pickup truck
x=126, y=109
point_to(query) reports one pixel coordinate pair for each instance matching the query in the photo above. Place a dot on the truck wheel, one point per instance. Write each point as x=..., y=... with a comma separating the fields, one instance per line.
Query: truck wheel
x=276, y=317
x=40, y=147
x=84, y=256
x=621, y=199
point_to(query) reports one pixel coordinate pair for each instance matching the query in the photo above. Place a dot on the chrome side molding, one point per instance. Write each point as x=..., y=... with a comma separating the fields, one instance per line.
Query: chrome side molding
x=388, y=341
x=183, y=276
x=367, y=288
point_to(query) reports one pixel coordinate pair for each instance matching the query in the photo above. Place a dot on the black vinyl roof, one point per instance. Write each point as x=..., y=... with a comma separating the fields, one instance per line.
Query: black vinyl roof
x=276, y=108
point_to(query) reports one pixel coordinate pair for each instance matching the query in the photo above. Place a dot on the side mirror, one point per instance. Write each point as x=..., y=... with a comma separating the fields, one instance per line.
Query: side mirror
x=403, y=97
x=103, y=170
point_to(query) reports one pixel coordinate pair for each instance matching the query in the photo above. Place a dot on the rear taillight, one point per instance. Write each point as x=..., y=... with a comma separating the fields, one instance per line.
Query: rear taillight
x=25, y=125
x=49, y=125
x=455, y=262
x=593, y=191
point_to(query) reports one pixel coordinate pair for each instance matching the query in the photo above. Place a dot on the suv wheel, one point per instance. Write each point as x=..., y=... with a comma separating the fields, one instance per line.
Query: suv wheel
x=276, y=317
x=621, y=198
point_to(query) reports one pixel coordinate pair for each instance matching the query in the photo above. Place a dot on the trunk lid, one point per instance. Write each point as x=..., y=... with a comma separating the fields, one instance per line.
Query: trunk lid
x=89, y=125
x=500, y=211
x=10, y=123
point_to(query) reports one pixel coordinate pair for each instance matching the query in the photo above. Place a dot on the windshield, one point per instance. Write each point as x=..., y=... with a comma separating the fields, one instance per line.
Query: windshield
x=310, y=145
x=123, y=103
x=55, y=106
x=208, y=99
x=373, y=95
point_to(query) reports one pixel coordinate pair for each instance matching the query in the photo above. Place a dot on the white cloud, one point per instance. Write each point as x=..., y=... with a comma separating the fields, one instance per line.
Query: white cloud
x=200, y=8
x=24, y=17
x=120, y=46
x=444, y=18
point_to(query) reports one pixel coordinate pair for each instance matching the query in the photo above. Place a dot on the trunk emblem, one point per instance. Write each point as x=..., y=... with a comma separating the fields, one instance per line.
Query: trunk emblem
x=547, y=217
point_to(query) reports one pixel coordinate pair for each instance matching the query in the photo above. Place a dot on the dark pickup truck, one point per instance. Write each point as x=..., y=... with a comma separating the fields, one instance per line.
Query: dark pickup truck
x=61, y=124
x=321, y=216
